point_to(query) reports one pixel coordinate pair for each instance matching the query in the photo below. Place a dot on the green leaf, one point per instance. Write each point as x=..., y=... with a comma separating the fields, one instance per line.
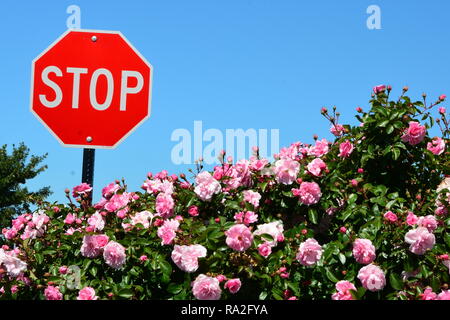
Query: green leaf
x=312, y=215
x=125, y=293
x=263, y=295
x=396, y=281
x=342, y=258
x=395, y=153
x=330, y=275
x=174, y=288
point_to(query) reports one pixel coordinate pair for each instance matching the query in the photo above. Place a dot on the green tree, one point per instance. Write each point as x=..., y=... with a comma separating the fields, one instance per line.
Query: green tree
x=15, y=169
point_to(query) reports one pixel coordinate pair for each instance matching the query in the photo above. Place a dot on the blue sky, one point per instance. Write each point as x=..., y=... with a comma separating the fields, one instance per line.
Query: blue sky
x=232, y=64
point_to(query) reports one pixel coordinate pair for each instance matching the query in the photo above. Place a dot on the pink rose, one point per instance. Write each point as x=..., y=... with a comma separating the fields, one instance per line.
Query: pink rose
x=442, y=97
x=233, y=285
x=70, y=218
x=93, y=245
x=110, y=190
x=81, y=189
x=428, y=222
x=316, y=167
x=345, y=149
x=428, y=294
x=420, y=240
x=167, y=231
x=442, y=110
x=87, y=293
x=444, y=295
x=164, y=205
x=52, y=293
x=411, y=219
x=63, y=269
x=378, y=89
x=265, y=249
x=206, y=288
x=286, y=171
x=309, y=193
x=343, y=291
x=372, y=277
x=143, y=258
x=321, y=148
x=186, y=257
x=337, y=130
x=364, y=251
x=114, y=255
x=96, y=221
x=193, y=211
x=390, y=216
x=414, y=134
x=252, y=197
x=436, y=146
x=239, y=237
x=309, y=252
x=274, y=229
x=206, y=186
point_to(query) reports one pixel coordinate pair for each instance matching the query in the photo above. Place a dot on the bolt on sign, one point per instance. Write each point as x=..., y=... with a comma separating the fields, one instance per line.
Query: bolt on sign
x=91, y=89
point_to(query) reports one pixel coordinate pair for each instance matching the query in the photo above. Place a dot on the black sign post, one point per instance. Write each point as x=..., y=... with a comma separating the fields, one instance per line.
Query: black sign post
x=88, y=169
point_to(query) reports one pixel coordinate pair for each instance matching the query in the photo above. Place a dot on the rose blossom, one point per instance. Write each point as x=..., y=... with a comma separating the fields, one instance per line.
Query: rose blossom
x=52, y=293
x=167, y=231
x=364, y=251
x=114, y=255
x=206, y=288
x=96, y=221
x=233, y=285
x=252, y=197
x=436, y=146
x=286, y=171
x=372, y=277
x=110, y=190
x=316, y=167
x=14, y=266
x=428, y=294
x=337, y=130
x=70, y=218
x=428, y=222
x=193, y=211
x=164, y=205
x=239, y=237
x=265, y=249
x=93, y=245
x=411, y=219
x=390, y=216
x=345, y=149
x=87, y=293
x=321, y=148
x=206, y=186
x=274, y=229
x=81, y=189
x=414, y=134
x=444, y=295
x=309, y=193
x=343, y=291
x=144, y=217
x=378, y=89
x=309, y=252
x=420, y=240
x=186, y=257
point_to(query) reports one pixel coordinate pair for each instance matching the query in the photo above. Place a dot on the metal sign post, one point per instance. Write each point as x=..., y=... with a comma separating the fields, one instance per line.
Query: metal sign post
x=88, y=169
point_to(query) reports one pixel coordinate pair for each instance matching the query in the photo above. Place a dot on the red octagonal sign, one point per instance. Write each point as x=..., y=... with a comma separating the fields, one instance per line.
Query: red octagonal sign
x=91, y=88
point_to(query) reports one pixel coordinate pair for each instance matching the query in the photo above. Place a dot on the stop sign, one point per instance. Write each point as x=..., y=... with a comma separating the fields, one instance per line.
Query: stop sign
x=91, y=89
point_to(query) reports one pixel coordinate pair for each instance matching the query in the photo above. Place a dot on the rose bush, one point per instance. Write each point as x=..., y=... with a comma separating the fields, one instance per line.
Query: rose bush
x=362, y=217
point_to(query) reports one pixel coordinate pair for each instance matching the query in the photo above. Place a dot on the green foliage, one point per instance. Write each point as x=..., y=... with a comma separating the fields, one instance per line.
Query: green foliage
x=15, y=169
